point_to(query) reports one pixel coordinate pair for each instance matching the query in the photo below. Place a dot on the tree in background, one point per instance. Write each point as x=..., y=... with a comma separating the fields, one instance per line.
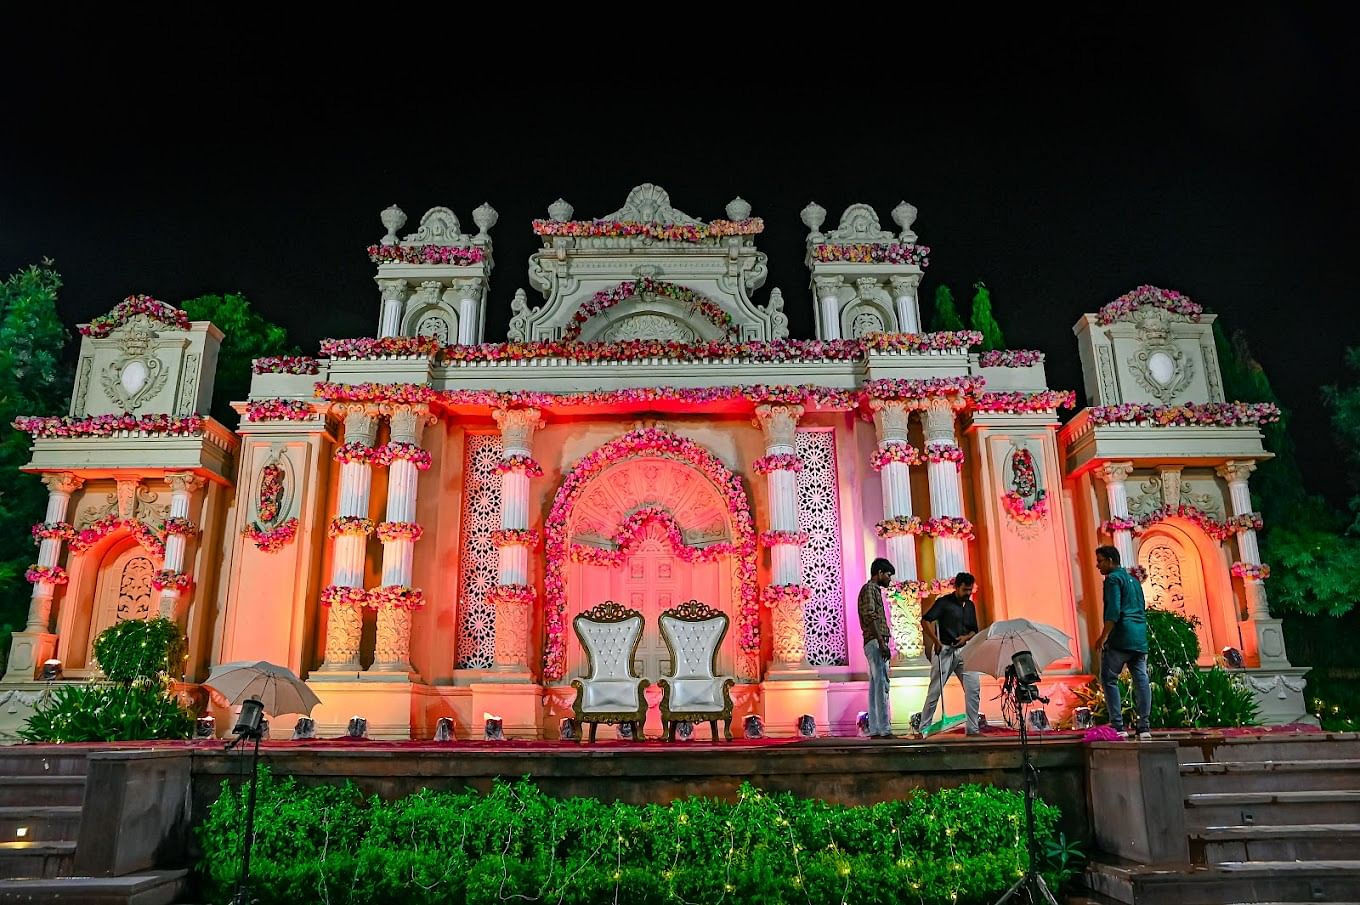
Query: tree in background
x=946, y=313
x=248, y=336
x=982, y=320
x=34, y=380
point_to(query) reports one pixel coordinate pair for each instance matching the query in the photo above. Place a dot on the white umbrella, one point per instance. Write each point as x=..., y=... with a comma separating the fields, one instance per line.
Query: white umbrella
x=277, y=687
x=990, y=650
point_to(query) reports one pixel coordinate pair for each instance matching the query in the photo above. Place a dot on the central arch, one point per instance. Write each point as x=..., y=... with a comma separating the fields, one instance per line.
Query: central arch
x=661, y=506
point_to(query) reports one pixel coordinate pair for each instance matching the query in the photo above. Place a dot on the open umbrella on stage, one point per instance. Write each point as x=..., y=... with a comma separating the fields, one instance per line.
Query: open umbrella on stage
x=259, y=688
x=990, y=650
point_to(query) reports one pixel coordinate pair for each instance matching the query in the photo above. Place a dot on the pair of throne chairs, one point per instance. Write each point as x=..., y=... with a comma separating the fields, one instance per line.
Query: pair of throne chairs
x=612, y=692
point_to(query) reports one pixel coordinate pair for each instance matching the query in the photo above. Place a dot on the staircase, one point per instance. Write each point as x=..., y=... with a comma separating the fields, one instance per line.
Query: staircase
x=1270, y=819
x=42, y=793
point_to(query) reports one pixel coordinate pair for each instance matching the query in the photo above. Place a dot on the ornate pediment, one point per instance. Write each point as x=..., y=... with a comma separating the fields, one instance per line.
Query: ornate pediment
x=649, y=203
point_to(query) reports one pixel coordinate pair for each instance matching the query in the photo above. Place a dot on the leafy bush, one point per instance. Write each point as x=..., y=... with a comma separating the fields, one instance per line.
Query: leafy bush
x=140, y=649
x=329, y=843
x=108, y=712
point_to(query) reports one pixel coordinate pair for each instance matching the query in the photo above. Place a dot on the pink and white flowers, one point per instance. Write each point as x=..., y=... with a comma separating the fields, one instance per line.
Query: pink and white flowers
x=944, y=452
x=509, y=537
x=517, y=462
x=54, y=427
x=1023, y=403
x=1189, y=414
x=170, y=579
x=865, y=253
x=285, y=364
x=279, y=410
x=627, y=229
x=521, y=594
x=355, y=452
x=774, y=537
x=775, y=595
x=1148, y=296
x=1010, y=358
x=396, y=596
x=147, y=536
x=52, y=531
x=948, y=526
x=1022, y=510
x=1251, y=571
x=605, y=299
x=132, y=306
x=338, y=595
x=897, y=526
x=777, y=462
x=46, y=574
x=271, y=540
x=392, y=531
x=398, y=452
x=904, y=453
x=343, y=525
x=425, y=254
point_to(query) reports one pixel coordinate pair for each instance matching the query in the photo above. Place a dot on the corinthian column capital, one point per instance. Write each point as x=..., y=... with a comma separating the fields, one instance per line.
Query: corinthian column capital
x=408, y=421
x=891, y=419
x=779, y=424
x=517, y=428
x=62, y=482
x=1236, y=472
x=1115, y=472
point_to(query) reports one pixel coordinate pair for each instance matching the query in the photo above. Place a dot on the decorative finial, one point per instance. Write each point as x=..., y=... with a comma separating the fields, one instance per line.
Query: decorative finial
x=814, y=215
x=485, y=217
x=560, y=211
x=394, y=218
x=904, y=215
x=738, y=209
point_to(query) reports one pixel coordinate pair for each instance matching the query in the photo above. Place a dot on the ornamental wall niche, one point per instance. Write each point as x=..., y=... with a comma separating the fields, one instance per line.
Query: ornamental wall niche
x=146, y=368
x=1150, y=356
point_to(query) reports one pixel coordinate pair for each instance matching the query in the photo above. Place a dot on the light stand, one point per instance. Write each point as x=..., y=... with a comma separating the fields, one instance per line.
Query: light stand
x=1022, y=678
x=250, y=725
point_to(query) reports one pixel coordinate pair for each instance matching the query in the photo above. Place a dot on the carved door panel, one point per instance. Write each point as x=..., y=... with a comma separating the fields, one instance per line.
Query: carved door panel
x=1175, y=582
x=124, y=590
x=652, y=580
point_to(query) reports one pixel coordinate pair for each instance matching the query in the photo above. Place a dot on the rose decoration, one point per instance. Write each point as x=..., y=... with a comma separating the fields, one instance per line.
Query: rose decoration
x=52, y=531
x=407, y=452
x=343, y=525
x=774, y=537
x=46, y=574
x=285, y=364
x=903, y=453
x=333, y=595
x=396, y=596
x=279, y=410
x=133, y=306
x=865, y=253
x=50, y=428
x=425, y=254
x=897, y=526
x=1148, y=296
x=271, y=540
x=172, y=580
x=393, y=531
x=777, y=462
x=518, y=462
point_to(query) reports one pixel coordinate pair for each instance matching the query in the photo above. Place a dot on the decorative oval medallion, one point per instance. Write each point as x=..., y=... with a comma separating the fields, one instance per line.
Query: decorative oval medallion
x=1162, y=368
x=133, y=377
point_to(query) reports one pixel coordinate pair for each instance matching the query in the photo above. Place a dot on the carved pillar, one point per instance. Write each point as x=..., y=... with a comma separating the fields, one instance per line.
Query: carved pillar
x=943, y=467
x=469, y=294
x=394, y=295
x=1114, y=474
x=781, y=466
x=350, y=528
x=396, y=599
x=1258, y=630
x=36, y=643
x=829, y=291
x=905, y=302
x=514, y=598
x=893, y=461
x=183, y=486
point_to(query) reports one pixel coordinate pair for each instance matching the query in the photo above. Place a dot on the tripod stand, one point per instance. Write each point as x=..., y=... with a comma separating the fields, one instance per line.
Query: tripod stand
x=247, y=729
x=1032, y=882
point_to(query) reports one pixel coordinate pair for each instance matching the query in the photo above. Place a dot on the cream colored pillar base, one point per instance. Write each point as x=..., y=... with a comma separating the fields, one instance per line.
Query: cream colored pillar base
x=27, y=651
x=386, y=705
x=519, y=705
x=788, y=699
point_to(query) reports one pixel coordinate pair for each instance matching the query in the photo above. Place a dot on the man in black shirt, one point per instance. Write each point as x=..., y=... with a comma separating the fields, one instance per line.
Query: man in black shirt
x=948, y=625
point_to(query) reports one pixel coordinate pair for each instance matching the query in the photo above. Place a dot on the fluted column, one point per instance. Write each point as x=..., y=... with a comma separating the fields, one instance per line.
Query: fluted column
x=1114, y=474
x=829, y=291
x=469, y=294
x=513, y=598
x=395, y=599
x=1261, y=635
x=893, y=459
x=787, y=597
x=394, y=295
x=350, y=528
x=60, y=486
x=943, y=468
x=905, y=302
x=183, y=486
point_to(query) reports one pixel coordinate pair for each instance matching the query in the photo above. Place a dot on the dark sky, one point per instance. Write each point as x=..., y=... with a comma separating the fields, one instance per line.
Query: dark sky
x=1214, y=157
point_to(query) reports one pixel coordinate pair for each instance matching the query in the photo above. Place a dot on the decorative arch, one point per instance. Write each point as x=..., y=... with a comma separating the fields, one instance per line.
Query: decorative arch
x=648, y=306
x=1183, y=565
x=579, y=484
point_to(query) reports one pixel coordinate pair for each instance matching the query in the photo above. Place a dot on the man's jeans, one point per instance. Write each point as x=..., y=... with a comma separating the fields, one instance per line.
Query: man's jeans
x=949, y=662
x=880, y=723
x=1112, y=663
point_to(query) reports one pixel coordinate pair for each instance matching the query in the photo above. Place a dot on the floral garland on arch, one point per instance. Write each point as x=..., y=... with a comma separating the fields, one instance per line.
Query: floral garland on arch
x=1217, y=530
x=866, y=253
x=343, y=525
x=1189, y=414
x=394, y=531
x=774, y=537
x=775, y=595
x=633, y=529
x=425, y=254
x=522, y=594
x=948, y=526
x=146, y=536
x=403, y=452
x=665, y=232
x=607, y=298
x=396, y=596
x=510, y=537
x=904, y=453
x=171, y=580
x=898, y=526
x=132, y=306
x=777, y=462
x=333, y=595
x=1022, y=510
x=944, y=452
x=62, y=427
x=271, y=540
x=1251, y=570
x=52, y=531
x=1145, y=297
x=285, y=364
x=48, y=574
x=517, y=462
x=279, y=410
x=1010, y=358
x=655, y=442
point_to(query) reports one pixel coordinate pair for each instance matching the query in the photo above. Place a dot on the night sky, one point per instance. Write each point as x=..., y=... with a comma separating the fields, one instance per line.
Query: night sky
x=1211, y=157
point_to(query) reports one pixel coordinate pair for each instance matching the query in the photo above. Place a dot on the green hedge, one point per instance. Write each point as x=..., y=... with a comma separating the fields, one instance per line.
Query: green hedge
x=331, y=844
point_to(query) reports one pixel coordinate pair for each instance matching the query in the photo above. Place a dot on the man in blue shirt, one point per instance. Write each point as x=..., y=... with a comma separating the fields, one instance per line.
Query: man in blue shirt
x=1123, y=641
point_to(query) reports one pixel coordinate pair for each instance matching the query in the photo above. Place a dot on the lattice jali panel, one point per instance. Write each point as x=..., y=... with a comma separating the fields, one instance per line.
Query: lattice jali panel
x=480, y=566
x=819, y=515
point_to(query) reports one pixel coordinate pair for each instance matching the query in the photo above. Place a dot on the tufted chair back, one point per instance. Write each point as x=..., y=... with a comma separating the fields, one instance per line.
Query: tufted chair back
x=609, y=633
x=692, y=632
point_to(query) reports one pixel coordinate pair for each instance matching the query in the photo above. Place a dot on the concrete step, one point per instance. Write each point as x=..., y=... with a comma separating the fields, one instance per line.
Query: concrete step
x=1252, y=881
x=1303, y=842
x=1271, y=776
x=1271, y=808
x=36, y=859
x=152, y=888
x=34, y=791
x=42, y=761
x=39, y=824
x=1305, y=746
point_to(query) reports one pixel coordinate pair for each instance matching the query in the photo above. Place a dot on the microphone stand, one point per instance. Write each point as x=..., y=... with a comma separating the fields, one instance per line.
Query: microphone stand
x=243, y=896
x=1032, y=882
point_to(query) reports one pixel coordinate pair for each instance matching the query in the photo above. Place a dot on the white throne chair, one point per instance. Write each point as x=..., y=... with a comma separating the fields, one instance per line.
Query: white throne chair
x=612, y=692
x=693, y=692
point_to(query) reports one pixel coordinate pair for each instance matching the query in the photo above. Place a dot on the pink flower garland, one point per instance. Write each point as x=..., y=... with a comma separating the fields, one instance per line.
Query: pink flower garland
x=1210, y=414
x=1023, y=403
x=1148, y=296
x=824, y=398
x=176, y=525
x=904, y=453
x=1024, y=512
x=517, y=462
x=607, y=298
x=897, y=526
x=903, y=388
x=921, y=589
x=390, y=531
x=665, y=232
x=1010, y=358
x=865, y=253
x=1216, y=530
x=425, y=254
x=285, y=364
x=350, y=524
x=948, y=526
x=1250, y=570
x=510, y=593
x=107, y=425
x=1119, y=523
x=409, y=452
x=939, y=341
x=657, y=442
x=279, y=410
x=172, y=580
x=388, y=346
x=130, y=307
x=775, y=594
x=146, y=536
x=52, y=531
x=396, y=596
x=777, y=462
x=355, y=451
x=632, y=531
x=332, y=595
x=271, y=540
x=509, y=537
x=47, y=574
x=1138, y=572
x=774, y=537
x=944, y=452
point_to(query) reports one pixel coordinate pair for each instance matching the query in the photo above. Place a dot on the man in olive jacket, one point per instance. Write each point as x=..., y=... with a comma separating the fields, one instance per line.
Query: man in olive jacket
x=874, y=622
x=1123, y=641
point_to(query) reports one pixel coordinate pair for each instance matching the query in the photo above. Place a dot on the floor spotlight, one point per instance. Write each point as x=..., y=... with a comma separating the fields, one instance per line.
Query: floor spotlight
x=684, y=730
x=566, y=729
x=1082, y=718
x=205, y=727
x=304, y=729
x=1233, y=657
x=862, y=724
x=807, y=726
x=358, y=728
x=495, y=729
x=443, y=730
x=753, y=727
x=51, y=670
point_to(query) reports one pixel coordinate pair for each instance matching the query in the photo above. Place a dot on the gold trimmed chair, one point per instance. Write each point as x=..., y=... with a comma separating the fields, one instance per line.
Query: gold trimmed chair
x=693, y=692
x=612, y=692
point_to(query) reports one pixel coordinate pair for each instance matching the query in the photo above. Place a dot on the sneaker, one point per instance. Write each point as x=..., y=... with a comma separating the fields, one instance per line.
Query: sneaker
x=973, y=733
x=1145, y=736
